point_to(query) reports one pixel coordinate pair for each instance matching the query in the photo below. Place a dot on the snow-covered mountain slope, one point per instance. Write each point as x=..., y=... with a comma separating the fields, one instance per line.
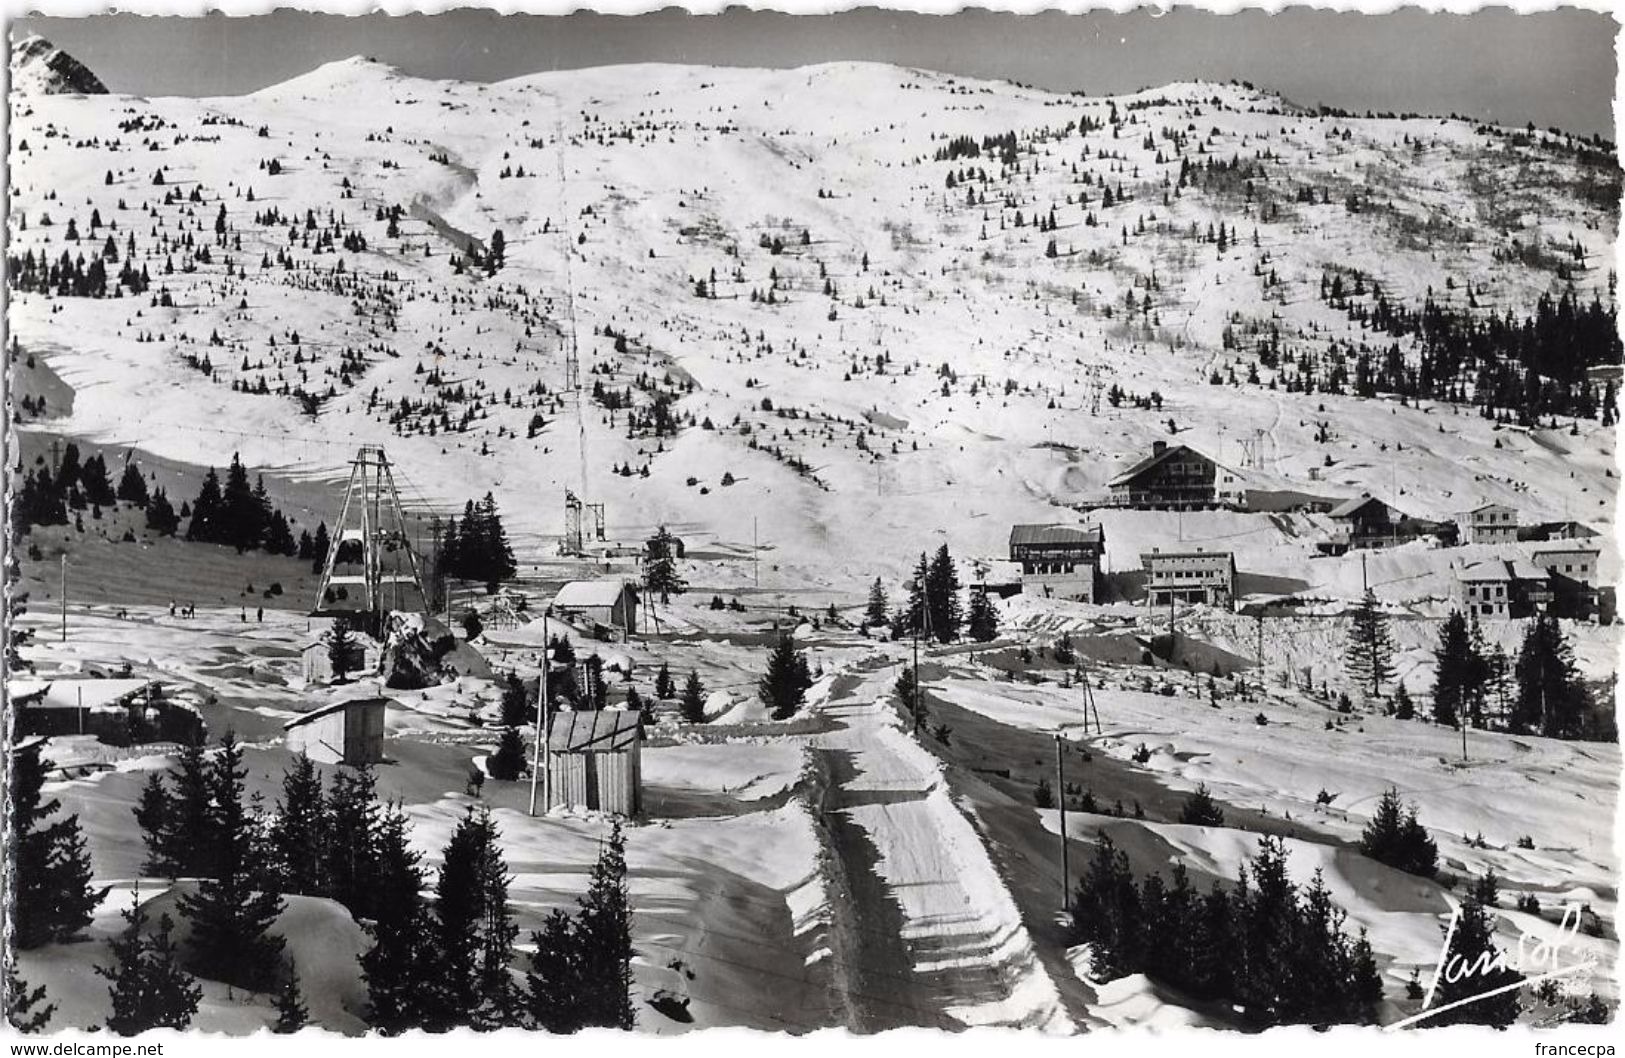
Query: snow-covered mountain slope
x=39, y=67
x=783, y=268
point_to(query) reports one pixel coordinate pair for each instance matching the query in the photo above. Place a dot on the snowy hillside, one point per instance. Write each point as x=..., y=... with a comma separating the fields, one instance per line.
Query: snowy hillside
x=863, y=330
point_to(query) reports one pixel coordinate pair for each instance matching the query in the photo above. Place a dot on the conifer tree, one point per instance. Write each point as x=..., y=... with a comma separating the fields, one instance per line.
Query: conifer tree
x=241, y=511
x=875, y=612
x=23, y=1011
x=581, y=970
x=692, y=703
x=508, y=762
x=1200, y=809
x=161, y=517
x=1452, y=667
x=474, y=932
x=665, y=689
x=351, y=853
x=1404, y=708
x=132, y=485
x=606, y=927
x=300, y=831
x=52, y=874
x=207, y=524
x=400, y=967
x=913, y=617
x=1551, y=700
x=660, y=567
x=230, y=916
x=340, y=648
x=149, y=989
x=515, y=707
x=942, y=597
x=783, y=687
x=983, y=617
x=1370, y=652
x=1395, y=837
x=644, y=707
x=1106, y=912
x=291, y=1015
x=319, y=547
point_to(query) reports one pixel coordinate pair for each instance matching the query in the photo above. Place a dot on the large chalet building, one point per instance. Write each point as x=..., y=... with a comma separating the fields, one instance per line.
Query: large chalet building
x=1058, y=561
x=1176, y=477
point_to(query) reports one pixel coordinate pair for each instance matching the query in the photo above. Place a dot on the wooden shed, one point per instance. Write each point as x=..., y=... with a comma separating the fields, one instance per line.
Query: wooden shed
x=347, y=732
x=595, y=760
x=610, y=602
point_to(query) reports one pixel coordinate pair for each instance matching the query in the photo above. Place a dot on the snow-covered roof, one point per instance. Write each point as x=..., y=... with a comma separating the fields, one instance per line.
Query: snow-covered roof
x=604, y=592
x=1493, y=507
x=1576, y=549
x=1157, y=457
x=1492, y=569
x=1054, y=534
x=599, y=731
x=77, y=694
x=328, y=710
x=1523, y=569
x=1350, y=507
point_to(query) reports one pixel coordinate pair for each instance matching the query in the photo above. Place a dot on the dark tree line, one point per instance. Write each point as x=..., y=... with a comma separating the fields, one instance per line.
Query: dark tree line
x=448, y=963
x=1535, y=366
x=1275, y=951
x=435, y=963
x=1548, y=696
x=239, y=515
x=933, y=608
x=477, y=549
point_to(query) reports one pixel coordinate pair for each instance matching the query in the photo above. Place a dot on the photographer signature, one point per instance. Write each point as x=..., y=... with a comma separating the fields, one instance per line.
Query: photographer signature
x=1541, y=961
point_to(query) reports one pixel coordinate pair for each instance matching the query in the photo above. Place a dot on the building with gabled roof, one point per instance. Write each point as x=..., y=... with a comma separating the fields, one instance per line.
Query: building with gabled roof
x=608, y=601
x=1058, y=561
x=1176, y=477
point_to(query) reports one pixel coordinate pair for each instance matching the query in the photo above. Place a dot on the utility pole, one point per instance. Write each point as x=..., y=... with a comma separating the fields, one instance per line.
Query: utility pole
x=1060, y=799
x=536, y=758
x=64, y=600
x=1261, y=673
x=755, y=555
x=1365, y=580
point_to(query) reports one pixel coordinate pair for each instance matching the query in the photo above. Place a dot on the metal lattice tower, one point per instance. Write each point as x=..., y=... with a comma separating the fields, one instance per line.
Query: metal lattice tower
x=371, y=521
x=582, y=521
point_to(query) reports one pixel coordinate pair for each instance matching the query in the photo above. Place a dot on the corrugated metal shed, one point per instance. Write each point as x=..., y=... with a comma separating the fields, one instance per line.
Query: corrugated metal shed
x=596, y=760
x=601, y=731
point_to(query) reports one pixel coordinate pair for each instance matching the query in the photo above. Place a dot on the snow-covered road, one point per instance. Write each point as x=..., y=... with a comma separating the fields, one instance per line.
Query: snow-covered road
x=967, y=953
